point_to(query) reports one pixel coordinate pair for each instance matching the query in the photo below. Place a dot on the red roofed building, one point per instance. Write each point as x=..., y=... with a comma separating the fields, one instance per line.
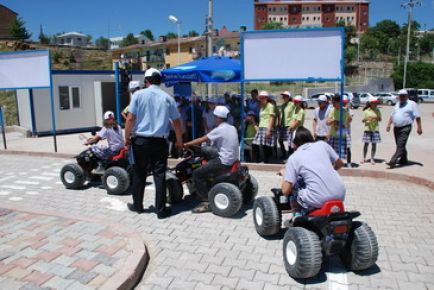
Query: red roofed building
x=312, y=13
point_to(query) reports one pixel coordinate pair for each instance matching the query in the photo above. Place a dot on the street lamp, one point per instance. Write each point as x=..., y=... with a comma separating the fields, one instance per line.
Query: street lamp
x=409, y=5
x=175, y=20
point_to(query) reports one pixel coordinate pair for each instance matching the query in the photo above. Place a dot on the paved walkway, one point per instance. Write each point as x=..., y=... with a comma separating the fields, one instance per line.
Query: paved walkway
x=208, y=252
x=420, y=148
x=52, y=252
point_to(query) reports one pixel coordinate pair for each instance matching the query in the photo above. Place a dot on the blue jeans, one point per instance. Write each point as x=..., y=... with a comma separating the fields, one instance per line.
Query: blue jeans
x=294, y=198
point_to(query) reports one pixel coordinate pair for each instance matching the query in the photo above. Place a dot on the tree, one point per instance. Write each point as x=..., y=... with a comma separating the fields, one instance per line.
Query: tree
x=385, y=32
x=18, y=30
x=89, y=39
x=193, y=33
x=369, y=45
x=350, y=31
x=171, y=35
x=148, y=33
x=44, y=39
x=102, y=43
x=272, y=26
x=426, y=44
x=129, y=40
x=419, y=75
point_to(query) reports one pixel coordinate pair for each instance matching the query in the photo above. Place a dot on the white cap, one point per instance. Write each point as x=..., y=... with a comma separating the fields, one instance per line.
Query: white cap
x=263, y=94
x=109, y=115
x=345, y=98
x=151, y=71
x=322, y=98
x=285, y=93
x=133, y=85
x=403, y=92
x=373, y=99
x=221, y=112
x=298, y=99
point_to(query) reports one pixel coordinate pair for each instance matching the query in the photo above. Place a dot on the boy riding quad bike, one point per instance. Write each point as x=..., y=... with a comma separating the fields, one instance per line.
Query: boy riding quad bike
x=320, y=226
x=219, y=180
x=115, y=172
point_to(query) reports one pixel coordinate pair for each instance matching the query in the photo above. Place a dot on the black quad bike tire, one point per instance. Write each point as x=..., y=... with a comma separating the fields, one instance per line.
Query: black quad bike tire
x=306, y=262
x=121, y=180
x=175, y=192
x=231, y=195
x=78, y=176
x=361, y=251
x=266, y=216
x=251, y=189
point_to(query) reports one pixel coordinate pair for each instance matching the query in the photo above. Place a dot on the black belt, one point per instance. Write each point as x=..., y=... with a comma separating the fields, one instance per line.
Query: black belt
x=149, y=137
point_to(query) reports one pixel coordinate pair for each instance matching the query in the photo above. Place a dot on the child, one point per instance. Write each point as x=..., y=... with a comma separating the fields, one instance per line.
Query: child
x=251, y=129
x=346, y=102
x=334, y=123
x=115, y=141
x=371, y=118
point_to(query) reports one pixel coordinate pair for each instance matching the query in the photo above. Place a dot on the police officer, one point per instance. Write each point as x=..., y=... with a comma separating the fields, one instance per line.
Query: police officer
x=151, y=113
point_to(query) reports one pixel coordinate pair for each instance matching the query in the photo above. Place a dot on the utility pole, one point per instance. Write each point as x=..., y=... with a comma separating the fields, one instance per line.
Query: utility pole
x=409, y=6
x=210, y=31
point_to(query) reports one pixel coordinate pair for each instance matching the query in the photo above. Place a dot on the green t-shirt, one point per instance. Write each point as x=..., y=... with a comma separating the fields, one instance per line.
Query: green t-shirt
x=265, y=115
x=286, y=113
x=371, y=125
x=250, y=133
x=335, y=116
x=298, y=115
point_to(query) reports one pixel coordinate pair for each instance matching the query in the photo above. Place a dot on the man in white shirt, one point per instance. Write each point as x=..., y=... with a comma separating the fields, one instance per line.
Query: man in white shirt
x=225, y=139
x=403, y=116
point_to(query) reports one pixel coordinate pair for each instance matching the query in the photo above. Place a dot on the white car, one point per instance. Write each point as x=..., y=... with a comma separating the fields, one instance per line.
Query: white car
x=388, y=98
x=312, y=102
x=425, y=95
x=364, y=97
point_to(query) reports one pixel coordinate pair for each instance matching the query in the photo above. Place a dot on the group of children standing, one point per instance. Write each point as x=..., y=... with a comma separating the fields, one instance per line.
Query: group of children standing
x=277, y=125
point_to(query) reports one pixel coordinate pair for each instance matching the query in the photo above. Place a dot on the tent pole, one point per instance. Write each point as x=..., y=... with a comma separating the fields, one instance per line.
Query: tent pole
x=2, y=124
x=243, y=122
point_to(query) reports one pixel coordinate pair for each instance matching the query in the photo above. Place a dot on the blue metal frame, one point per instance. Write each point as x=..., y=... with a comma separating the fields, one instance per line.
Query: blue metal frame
x=311, y=79
x=341, y=79
x=341, y=110
x=90, y=72
x=32, y=112
x=118, y=94
x=53, y=117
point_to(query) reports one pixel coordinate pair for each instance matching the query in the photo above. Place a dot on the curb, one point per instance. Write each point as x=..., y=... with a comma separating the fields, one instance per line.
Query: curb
x=268, y=167
x=135, y=264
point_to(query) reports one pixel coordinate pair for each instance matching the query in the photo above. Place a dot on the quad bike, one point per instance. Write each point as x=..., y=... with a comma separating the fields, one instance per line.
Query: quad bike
x=322, y=232
x=116, y=177
x=226, y=192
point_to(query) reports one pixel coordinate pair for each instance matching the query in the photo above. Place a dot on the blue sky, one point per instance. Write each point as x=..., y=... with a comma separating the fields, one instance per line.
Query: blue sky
x=116, y=18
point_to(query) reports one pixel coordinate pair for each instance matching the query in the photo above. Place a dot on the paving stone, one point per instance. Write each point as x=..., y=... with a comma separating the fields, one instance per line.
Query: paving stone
x=222, y=270
x=58, y=283
x=225, y=281
x=238, y=273
x=200, y=277
x=244, y=284
x=11, y=284
x=82, y=276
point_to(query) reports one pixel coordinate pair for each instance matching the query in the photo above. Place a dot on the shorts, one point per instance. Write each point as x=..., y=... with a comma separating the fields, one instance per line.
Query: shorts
x=260, y=138
x=103, y=152
x=371, y=137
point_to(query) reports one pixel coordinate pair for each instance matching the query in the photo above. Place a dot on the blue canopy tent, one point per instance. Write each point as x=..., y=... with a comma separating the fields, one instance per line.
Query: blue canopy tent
x=214, y=69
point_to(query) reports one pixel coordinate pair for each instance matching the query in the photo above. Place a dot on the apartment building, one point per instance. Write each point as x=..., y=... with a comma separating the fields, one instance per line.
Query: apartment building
x=312, y=13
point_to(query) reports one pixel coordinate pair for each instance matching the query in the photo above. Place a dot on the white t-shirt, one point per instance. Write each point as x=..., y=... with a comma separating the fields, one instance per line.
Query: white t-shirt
x=405, y=113
x=322, y=129
x=313, y=163
x=114, y=138
x=225, y=138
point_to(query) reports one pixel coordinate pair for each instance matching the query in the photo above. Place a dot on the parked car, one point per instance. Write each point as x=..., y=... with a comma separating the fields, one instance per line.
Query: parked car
x=388, y=98
x=364, y=97
x=354, y=99
x=312, y=102
x=425, y=95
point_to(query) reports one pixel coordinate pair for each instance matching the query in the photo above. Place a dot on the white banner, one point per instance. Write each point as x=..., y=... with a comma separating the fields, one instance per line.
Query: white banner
x=25, y=69
x=303, y=55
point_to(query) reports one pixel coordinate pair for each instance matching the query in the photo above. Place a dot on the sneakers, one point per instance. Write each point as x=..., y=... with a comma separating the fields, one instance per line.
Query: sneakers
x=131, y=207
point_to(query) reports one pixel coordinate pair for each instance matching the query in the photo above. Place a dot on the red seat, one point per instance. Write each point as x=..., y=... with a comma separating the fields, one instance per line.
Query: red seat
x=122, y=154
x=332, y=206
x=235, y=166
